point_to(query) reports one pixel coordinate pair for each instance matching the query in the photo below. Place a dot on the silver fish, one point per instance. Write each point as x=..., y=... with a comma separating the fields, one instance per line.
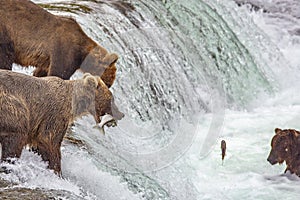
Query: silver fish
x=105, y=120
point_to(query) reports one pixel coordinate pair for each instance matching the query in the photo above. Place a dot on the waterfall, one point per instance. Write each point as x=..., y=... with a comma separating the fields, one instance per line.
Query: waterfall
x=182, y=63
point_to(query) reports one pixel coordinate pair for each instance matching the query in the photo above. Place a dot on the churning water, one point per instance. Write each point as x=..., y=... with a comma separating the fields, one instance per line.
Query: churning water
x=190, y=74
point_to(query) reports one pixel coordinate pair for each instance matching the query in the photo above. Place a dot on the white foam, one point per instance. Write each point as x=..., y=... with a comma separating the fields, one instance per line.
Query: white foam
x=80, y=168
x=31, y=172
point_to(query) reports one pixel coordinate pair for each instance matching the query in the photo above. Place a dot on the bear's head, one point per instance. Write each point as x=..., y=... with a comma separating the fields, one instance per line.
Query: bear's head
x=102, y=98
x=101, y=63
x=284, y=146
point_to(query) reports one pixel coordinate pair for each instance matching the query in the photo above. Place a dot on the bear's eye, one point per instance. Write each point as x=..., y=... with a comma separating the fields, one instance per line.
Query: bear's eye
x=286, y=149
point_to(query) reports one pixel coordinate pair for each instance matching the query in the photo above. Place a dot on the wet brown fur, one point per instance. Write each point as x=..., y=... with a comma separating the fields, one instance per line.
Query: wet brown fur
x=286, y=147
x=37, y=111
x=55, y=45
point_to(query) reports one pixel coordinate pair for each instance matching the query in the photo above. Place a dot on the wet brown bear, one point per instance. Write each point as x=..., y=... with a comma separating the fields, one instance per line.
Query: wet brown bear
x=37, y=111
x=55, y=45
x=286, y=147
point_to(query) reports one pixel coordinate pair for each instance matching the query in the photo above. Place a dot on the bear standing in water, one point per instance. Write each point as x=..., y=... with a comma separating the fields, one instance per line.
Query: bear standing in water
x=55, y=45
x=37, y=111
x=286, y=147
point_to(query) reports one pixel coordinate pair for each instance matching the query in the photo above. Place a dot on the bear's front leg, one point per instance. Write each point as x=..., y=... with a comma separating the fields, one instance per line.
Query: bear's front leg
x=51, y=153
x=63, y=62
x=40, y=72
x=7, y=52
x=62, y=71
x=7, y=55
x=55, y=161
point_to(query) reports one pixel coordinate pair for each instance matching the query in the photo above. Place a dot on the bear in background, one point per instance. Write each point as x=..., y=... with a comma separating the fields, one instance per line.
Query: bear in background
x=37, y=111
x=55, y=45
x=286, y=147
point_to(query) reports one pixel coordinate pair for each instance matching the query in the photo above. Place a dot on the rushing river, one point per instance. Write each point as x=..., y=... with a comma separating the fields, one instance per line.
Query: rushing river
x=191, y=73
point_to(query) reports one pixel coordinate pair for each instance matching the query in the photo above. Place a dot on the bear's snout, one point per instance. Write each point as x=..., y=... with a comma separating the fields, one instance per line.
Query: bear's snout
x=271, y=159
x=117, y=115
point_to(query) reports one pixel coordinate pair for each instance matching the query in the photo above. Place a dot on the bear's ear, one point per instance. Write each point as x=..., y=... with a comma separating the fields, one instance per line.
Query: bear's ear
x=111, y=59
x=295, y=134
x=101, y=86
x=86, y=75
x=277, y=130
x=298, y=138
x=90, y=80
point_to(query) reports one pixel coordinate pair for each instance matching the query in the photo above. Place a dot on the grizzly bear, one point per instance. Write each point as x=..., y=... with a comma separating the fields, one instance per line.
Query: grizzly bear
x=37, y=111
x=286, y=147
x=55, y=45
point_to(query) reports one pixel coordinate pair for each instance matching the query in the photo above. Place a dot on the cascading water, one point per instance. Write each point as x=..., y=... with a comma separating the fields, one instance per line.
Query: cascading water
x=182, y=63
